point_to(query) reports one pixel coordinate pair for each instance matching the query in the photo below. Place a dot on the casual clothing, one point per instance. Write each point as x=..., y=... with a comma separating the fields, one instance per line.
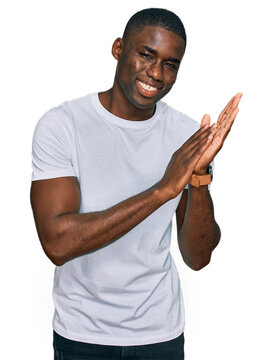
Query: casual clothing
x=65, y=349
x=127, y=293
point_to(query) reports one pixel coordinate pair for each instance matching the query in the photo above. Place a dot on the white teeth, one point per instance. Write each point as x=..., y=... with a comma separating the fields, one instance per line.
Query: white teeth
x=147, y=87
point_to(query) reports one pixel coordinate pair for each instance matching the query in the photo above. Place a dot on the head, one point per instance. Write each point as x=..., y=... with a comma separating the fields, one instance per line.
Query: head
x=155, y=17
x=149, y=55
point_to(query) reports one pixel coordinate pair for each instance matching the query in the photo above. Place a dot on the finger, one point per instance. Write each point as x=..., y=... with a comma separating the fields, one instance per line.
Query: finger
x=199, y=133
x=196, y=137
x=227, y=126
x=235, y=99
x=205, y=120
x=225, y=109
x=227, y=122
x=230, y=109
x=199, y=150
x=220, y=136
x=199, y=146
x=231, y=105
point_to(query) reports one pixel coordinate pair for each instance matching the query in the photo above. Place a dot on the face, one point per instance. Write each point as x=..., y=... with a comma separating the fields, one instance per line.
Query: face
x=148, y=63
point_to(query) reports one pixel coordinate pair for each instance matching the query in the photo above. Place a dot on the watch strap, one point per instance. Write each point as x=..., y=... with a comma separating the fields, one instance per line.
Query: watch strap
x=198, y=180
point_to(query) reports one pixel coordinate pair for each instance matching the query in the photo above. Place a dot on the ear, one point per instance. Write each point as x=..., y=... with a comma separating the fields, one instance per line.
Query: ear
x=117, y=48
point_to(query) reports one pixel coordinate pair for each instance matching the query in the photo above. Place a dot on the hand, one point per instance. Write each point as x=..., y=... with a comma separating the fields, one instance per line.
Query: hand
x=223, y=126
x=183, y=161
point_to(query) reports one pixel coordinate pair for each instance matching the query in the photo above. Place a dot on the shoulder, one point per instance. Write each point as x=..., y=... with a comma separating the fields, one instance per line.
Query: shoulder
x=60, y=118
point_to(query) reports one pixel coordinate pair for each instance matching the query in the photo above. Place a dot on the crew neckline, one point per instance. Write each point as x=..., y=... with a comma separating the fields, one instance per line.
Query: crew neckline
x=107, y=115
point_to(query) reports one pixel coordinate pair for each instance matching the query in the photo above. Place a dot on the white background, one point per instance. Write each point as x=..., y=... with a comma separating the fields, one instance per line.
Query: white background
x=53, y=51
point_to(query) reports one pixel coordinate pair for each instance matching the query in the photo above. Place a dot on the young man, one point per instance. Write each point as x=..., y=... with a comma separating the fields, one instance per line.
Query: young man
x=110, y=169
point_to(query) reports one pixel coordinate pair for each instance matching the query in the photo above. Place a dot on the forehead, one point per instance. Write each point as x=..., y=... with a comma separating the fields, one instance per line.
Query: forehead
x=158, y=38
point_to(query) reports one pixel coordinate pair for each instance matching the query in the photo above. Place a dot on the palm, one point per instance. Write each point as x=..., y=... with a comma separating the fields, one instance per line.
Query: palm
x=223, y=126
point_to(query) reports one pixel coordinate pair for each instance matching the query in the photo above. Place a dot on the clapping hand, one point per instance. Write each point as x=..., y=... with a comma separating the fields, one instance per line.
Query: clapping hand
x=223, y=126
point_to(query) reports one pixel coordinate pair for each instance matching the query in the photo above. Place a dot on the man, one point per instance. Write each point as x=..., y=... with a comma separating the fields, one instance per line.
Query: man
x=110, y=169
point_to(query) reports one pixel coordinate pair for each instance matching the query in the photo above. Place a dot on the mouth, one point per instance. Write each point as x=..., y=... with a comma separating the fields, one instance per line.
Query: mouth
x=146, y=90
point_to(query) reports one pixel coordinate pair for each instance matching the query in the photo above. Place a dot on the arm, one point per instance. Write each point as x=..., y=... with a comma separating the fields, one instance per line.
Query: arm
x=64, y=233
x=197, y=231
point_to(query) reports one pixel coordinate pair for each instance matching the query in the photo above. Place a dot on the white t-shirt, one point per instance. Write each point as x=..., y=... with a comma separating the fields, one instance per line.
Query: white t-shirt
x=128, y=292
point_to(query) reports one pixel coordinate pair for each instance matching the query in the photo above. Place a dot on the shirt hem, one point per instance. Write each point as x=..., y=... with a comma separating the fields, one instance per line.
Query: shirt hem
x=116, y=341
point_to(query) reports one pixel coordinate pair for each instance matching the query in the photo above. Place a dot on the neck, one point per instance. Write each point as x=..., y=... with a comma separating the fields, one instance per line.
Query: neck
x=115, y=101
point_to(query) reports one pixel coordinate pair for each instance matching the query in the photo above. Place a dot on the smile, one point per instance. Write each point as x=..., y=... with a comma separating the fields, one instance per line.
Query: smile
x=146, y=86
x=145, y=89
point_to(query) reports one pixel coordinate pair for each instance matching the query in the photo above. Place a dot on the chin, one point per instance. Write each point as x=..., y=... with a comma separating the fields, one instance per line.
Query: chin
x=147, y=102
x=144, y=105
x=142, y=102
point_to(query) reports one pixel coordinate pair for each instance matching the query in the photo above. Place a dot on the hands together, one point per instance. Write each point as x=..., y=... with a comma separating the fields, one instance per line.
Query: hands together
x=222, y=128
x=198, y=151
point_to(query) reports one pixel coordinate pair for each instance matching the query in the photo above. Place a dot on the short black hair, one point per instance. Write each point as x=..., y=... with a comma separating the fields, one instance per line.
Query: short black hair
x=156, y=17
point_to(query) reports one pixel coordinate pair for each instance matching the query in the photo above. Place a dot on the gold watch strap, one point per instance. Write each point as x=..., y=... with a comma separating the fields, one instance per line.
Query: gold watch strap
x=198, y=180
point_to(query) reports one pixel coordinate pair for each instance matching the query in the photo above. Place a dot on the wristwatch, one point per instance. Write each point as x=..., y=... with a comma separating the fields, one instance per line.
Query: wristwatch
x=198, y=180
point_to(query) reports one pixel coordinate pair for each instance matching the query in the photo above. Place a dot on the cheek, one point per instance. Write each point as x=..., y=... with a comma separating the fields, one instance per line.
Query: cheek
x=134, y=66
x=170, y=78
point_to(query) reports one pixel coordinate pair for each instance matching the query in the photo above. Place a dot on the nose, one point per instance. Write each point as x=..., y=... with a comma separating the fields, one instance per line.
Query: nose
x=155, y=71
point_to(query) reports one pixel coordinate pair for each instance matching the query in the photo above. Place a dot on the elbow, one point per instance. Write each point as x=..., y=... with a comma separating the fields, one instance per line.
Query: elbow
x=217, y=237
x=196, y=266
x=52, y=251
x=198, y=257
x=203, y=261
x=58, y=261
x=55, y=257
x=197, y=263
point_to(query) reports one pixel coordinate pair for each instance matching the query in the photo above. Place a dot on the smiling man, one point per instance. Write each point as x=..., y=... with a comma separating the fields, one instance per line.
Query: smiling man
x=148, y=63
x=110, y=170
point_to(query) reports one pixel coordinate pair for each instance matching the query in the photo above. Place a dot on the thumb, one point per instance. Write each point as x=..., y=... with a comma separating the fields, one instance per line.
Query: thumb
x=205, y=120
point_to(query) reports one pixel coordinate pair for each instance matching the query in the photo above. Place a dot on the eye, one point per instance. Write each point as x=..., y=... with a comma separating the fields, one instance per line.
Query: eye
x=171, y=66
x=147, y=56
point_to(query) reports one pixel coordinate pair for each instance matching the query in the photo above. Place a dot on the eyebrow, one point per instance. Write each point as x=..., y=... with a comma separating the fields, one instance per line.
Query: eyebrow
x=152, y=51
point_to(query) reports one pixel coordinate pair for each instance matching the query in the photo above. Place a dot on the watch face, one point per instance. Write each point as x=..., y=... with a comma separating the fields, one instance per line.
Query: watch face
x=210, y=171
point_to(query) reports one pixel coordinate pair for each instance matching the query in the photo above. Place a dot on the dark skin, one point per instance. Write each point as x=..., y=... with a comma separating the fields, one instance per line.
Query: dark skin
x=149, y=58
x=136, y=62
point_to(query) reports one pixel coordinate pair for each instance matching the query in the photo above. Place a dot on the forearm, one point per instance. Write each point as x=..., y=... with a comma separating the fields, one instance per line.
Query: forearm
x=77, y=234
x=200, y=233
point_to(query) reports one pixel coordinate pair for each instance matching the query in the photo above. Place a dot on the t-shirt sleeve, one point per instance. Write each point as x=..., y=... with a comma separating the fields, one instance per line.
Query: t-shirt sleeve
x=51, y=149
